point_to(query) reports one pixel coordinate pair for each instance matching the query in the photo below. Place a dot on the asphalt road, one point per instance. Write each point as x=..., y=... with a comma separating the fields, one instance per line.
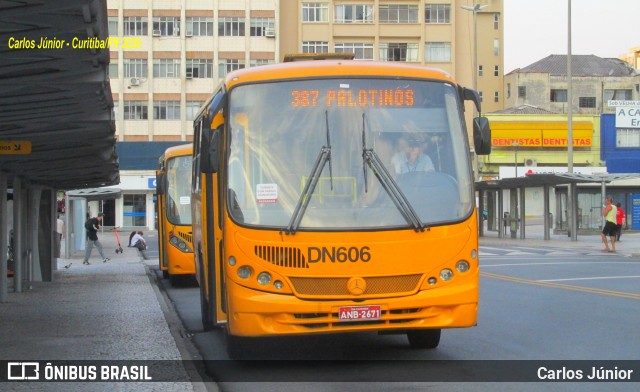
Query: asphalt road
x=537, y=304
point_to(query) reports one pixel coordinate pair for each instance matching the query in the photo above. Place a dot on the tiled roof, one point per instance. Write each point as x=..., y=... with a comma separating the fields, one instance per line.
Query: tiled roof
x=524, y=109
x=581, y=65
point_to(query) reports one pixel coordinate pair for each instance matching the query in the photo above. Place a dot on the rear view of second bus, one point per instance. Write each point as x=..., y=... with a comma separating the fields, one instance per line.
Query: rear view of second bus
x=175, y=242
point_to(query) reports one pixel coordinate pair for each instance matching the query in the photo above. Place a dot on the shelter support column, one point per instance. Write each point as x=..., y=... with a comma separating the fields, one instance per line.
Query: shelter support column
x=547, y=221
x=4, y=222
x=501, y=222
x=19, y=218
x=480, y=213
x=522, y=212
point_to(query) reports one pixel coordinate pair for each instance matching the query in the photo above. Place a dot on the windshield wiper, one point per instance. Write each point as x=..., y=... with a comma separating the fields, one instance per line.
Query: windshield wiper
x=324, y=156
x=371, y=159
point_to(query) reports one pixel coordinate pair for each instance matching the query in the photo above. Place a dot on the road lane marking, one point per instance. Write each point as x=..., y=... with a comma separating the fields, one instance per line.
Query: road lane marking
x=592, y=278
x=620, y=294
x=557, y=263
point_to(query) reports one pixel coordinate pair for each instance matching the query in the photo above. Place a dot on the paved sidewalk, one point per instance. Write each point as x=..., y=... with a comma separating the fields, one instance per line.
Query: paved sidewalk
x=103, y=311
x=629, y=245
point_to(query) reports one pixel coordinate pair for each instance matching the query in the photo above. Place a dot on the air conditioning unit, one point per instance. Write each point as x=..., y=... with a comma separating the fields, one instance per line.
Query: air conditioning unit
x=188, y=33
x=156, y=33
x=135, y=81
x=531, y=162
x=271, y=33
x=189, y=75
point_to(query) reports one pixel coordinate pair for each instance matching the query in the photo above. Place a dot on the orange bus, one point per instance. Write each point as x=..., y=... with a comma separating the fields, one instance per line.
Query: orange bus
x=173, y=186
x=336, y=196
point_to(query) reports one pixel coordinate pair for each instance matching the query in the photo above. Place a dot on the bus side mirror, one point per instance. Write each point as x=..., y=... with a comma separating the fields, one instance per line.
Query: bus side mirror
x=160, y=184
x=210, y=152
x=481, y=136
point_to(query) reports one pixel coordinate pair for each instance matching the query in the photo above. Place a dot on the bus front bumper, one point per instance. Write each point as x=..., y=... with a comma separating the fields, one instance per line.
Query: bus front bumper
x=255, y=313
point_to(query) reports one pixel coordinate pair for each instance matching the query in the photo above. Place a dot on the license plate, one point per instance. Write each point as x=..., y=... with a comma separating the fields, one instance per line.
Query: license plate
x=359, y=313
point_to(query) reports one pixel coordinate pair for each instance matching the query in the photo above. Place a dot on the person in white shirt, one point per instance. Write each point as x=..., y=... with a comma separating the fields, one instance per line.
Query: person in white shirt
x=137, y=241
x=411, y=158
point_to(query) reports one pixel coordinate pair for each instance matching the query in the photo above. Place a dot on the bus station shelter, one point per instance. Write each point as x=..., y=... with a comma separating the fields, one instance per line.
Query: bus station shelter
x=517, y=202
x=57, y=130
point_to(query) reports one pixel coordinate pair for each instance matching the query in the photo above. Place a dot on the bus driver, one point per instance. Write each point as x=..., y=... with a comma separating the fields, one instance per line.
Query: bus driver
x=411, y=158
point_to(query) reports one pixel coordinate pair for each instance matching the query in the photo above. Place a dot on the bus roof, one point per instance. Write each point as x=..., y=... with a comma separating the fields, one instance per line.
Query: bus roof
x=183, y=149
x=336, y=68
x=318, y=56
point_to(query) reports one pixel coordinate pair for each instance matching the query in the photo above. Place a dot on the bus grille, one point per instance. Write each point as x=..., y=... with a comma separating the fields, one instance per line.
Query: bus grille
x=187, y=237
x=376, y=285
x=282, y=256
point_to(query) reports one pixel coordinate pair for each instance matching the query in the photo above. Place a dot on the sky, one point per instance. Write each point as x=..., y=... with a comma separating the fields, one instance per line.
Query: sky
x=535, y=29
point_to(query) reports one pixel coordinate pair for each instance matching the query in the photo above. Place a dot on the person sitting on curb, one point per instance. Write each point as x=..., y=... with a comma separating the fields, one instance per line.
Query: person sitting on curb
x=137, y=241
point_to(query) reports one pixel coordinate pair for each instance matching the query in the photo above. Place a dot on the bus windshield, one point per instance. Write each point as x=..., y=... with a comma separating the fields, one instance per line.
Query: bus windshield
x=414, y=128
x=178, y=197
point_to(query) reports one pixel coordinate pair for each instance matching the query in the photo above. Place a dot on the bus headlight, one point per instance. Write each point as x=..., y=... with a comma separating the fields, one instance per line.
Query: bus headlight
x=244, y=272
x=474, y=254
x=446, y=274
x=232, y=261
x=278, y=285
x=432, y=281
x=462, y=266
x=180, y=244
x=264, y=278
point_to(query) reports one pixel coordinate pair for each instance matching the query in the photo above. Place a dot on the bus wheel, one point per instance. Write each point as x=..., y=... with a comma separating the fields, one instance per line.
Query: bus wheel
x=165, y=274
x=424, y=338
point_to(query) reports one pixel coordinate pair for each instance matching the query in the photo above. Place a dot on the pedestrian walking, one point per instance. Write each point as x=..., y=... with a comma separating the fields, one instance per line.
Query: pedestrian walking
x=92, y=225
x=58, y=236
x=620, y=217
x=610, y=227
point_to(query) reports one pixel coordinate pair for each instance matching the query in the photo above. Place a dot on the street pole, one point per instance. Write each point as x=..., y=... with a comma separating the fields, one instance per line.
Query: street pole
x=515, y=163
x=572, y=189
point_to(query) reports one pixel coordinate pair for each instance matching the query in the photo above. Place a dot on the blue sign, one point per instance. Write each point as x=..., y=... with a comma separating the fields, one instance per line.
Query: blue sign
x=635, y=211
x=152, y=182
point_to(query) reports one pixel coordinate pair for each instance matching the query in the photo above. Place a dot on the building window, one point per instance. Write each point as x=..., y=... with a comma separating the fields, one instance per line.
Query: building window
x=166, y=110
x=135, y=110
x=618, y=95
x=496, y=70
x=558, y=95
x=134, y=210
x=199, y=26
x=260, y=27
x=496, y=96
x=135, y=68
x=354, y=13
x=438, y=52
x=199, y=68
x=135, y=25
x=437, y=13
x=315, y=12
x=496, y=21
x=398, y=13
x=496, y=47
x=480, y=70
x=259, y=62
x=627, y=137
x=113, y=69
x=166, y=68
x=362, y=51
x=192, y=109
x=315, y=47
x=481, y=96
x=398, y=52
x=587, y=102
x=116, y=110
x=522, y=91
x=508, y=90
x=228, y=65
x=231, y=27
x=166, y=26
x=113, y=26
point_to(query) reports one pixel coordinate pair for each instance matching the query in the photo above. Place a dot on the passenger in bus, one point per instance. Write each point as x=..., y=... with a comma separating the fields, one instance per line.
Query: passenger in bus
x=411, y=157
